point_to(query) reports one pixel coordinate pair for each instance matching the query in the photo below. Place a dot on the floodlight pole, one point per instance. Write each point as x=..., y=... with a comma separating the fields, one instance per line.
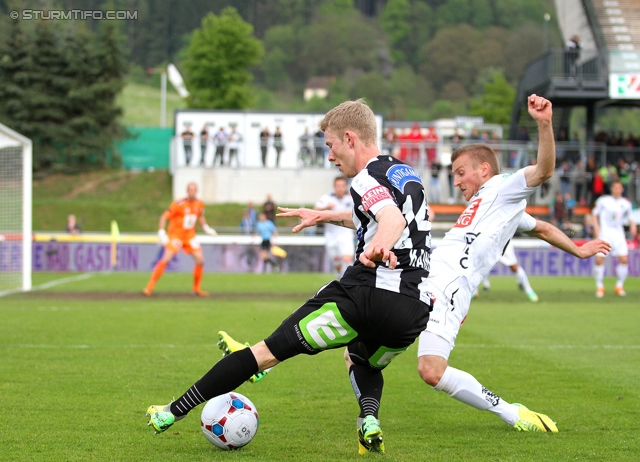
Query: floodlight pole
x=545, y=33
x=163, y=93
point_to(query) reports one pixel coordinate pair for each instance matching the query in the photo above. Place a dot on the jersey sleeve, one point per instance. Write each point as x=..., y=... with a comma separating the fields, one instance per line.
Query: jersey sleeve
x=527, y=223
x=374, y=196
x=514, y=187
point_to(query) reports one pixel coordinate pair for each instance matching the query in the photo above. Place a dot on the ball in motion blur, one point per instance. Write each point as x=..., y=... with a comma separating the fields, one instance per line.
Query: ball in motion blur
x=229, y=421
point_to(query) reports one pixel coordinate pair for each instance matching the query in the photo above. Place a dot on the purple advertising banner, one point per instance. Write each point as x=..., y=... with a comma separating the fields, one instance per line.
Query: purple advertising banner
x=225, y=258
x=239, y=258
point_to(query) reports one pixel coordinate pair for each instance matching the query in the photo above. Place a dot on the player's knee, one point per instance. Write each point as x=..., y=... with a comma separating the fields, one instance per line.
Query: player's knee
x=430, y=373
x=263, y=355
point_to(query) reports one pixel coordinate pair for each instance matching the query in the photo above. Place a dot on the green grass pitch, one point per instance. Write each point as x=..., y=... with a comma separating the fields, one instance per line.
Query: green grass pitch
x=81, y=361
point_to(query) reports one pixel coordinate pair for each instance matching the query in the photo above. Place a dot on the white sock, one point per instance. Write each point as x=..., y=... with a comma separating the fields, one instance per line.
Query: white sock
x=486, y=283
x=598, y=273
x=464, y=387
x=522, y=278
x=621, y=271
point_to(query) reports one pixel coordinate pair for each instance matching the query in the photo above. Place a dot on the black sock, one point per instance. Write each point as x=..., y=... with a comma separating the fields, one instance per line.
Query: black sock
x=227, y=375
x=367, y=384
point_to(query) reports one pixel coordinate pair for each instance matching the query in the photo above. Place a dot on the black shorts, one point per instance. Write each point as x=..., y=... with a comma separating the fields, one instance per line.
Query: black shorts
x=376, y=324
x=266, y=245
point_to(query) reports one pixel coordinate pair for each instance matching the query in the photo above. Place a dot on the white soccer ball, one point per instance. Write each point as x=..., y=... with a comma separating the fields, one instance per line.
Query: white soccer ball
x=229, y=421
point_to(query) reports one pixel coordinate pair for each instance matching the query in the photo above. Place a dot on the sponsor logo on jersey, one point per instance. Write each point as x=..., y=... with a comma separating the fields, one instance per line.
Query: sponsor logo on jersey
x=373, y=196
x=466, y=218
x=399, y=175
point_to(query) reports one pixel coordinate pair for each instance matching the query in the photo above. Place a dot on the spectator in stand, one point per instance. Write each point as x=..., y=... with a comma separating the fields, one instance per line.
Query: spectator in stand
x=245, y=224
x=431, y=139
x=571, y=56
x=187, y=138
x=72, y=226
x=559, y=211
x=624, y=175
x=587, y=227
x=318, y=147
x=475, y=135
x=564, y=172
x=220, y=141
x=253, y=213
x=434, y=185
x=414, y=144
x=609, y=174
x=522, y=153
x=304, y=154
x=591, y=168
x=234, y=144
x=570, y=206
x=204, y=138
x=268, y=232
x=269, y=209
x=580, y=181
x=264, y=144
x=389, y=141
x=277, y=144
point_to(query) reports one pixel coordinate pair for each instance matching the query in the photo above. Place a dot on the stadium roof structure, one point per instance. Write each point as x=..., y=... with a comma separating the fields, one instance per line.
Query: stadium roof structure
x=605, y=72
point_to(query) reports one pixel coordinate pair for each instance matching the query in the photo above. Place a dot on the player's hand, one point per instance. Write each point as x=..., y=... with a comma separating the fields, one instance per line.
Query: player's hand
x=163, y=239
x=209, y=230
x=590, y=248
x=307, y=217
x=539, y=108
x=380, y=254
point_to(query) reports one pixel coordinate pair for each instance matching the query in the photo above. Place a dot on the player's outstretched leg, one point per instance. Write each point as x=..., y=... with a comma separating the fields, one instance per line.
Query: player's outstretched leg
x=198, y=271
x=370, y=436
x=228, y=345
x=158, y=270
x=530, y=421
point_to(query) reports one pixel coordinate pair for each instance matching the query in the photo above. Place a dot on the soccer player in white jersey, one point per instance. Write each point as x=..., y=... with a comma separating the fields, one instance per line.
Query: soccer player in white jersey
x=611, y=213
x=468, y=252
x=510, y=260
x=339, y=241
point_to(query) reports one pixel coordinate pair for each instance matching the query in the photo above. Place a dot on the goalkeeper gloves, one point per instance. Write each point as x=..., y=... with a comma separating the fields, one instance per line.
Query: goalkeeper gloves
x=162, y=237
x=209, y=230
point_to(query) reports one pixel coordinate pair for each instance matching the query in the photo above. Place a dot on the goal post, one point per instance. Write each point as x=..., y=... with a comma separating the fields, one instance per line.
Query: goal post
x=15, y=210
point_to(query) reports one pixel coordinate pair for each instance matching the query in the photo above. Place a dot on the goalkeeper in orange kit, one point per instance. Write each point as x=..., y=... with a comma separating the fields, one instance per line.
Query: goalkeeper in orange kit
x=182, y=216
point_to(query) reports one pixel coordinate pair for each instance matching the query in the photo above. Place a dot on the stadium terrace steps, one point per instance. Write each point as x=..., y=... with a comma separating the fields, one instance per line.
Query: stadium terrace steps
x=620, y=23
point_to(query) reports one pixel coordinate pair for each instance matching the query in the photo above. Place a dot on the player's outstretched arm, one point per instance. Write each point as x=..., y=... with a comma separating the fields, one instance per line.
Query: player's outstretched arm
x=541, y=110
x=205, y=227
x=554, y=236
x=391, y=223
x=163, y=239
x=309, y=217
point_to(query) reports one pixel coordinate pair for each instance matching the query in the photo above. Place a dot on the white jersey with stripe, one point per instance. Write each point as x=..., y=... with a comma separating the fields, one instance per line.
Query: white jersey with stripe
x=469, y=251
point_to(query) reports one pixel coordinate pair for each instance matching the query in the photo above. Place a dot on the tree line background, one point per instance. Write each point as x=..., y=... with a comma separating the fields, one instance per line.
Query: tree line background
x=410, y=59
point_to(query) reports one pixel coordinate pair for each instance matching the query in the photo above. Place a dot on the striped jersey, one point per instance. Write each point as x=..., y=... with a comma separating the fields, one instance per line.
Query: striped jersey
x=386, y=181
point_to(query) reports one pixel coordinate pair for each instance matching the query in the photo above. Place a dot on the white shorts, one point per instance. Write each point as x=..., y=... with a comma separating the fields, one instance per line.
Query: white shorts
x=337, y=248
x=449, y=312
x=509, y=257
x=618, y=241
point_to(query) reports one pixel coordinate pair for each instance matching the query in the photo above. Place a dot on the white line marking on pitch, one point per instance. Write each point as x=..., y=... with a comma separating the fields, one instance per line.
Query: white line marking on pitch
x=54, y=283
x=170, y=346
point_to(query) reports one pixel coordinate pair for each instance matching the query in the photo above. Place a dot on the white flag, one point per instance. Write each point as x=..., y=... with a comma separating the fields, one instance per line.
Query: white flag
x=176, y=80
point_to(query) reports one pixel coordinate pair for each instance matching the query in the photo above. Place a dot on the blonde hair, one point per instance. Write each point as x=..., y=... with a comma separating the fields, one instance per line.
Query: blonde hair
x=478, y=153
x=352, y=115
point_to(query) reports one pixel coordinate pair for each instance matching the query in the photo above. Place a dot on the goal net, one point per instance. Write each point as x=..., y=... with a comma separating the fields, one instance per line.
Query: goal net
x=15, y=211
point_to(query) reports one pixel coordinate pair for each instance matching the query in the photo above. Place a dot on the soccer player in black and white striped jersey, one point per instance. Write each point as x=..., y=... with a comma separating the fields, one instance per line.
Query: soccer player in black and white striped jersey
x=376, y=310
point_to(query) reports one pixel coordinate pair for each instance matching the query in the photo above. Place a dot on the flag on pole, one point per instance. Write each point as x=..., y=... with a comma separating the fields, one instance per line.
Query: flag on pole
x=115, y=238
